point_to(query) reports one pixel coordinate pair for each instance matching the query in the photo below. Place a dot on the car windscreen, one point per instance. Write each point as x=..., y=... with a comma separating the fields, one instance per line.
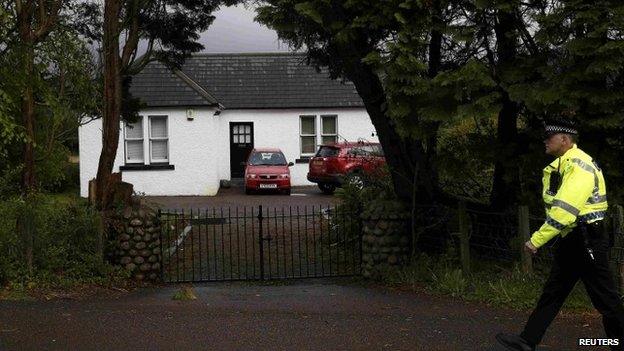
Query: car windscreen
x=267, y=159
x=327, y=151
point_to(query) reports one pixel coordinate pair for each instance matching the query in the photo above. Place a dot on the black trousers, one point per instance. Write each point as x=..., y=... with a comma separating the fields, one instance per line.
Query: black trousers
x=572, y=262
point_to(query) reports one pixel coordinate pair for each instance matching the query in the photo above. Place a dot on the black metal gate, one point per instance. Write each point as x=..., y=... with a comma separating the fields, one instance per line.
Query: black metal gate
x=256, y=243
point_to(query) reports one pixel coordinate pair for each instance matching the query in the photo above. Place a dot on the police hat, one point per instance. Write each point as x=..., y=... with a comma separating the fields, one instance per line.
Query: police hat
x=559, y=125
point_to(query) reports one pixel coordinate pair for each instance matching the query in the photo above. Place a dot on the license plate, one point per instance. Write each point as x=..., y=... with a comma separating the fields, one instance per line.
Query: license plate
x=318, y=162
x=268, y=186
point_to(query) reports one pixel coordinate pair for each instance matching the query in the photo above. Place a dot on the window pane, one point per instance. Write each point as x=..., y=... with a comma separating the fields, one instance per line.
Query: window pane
x=159, y=150
x=235, y=139
x=328, y=151
x=135, y=130
x=328, y=139
x=159, y=127
x=307, y=145
x=329, y=124
x=248, y=129
x=134, y=150
x=307, y=125
x=248, y=139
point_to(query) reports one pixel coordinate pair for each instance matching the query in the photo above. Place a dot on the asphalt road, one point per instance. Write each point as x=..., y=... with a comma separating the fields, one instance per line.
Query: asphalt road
x=305, y=315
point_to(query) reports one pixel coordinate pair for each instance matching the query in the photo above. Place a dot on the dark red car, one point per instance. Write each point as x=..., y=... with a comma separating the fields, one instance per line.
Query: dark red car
x=267, y=169
x=335, y=164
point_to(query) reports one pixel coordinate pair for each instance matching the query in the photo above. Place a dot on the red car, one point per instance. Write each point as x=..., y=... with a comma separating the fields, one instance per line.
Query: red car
x=267, y=169
x=337, y=163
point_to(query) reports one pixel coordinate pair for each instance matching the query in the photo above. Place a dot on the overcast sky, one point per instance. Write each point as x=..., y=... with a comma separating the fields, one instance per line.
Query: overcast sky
x=234, y=30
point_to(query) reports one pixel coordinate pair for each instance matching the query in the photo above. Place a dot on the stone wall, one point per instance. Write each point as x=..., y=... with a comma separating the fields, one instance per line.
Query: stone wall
x=138, y=247
x=385, y=240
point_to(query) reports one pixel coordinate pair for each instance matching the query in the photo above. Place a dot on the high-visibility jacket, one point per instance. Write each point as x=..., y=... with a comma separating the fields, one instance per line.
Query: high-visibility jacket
x=581, y=197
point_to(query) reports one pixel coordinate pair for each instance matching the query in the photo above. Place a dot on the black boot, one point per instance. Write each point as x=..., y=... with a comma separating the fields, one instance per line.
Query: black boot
x=514, y=342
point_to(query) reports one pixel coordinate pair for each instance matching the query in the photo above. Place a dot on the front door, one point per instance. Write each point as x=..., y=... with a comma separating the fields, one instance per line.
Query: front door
x=241, y=144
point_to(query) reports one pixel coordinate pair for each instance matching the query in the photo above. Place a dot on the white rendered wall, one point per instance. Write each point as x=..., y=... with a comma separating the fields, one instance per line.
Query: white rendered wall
x=280, y=128
x=192, y=151
x=200, y=149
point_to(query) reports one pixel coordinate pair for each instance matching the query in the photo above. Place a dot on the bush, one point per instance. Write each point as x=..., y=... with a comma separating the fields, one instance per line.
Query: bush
x=377, y=191
x=70, y=180
x=64, y=250
x=378, y=187
x=55, y=173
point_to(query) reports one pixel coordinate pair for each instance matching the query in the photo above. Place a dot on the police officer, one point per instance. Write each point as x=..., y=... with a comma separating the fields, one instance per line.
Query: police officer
x=574, y=193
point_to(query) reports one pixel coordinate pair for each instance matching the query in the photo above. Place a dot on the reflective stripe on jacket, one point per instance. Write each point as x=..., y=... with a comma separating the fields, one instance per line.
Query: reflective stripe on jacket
x=582, y=195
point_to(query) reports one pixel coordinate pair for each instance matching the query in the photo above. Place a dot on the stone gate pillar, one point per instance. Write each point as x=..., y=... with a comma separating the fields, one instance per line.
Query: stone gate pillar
x=386, y=238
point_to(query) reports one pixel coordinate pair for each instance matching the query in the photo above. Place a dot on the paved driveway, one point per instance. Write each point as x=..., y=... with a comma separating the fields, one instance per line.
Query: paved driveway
x=307, y=315
x=309, y=196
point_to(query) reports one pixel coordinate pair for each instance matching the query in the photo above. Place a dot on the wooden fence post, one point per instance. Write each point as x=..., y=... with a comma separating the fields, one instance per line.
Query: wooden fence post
x=524, y=234
x=464, y=238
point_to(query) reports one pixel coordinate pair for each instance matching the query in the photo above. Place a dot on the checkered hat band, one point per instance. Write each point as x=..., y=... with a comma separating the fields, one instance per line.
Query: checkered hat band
x=559, y=129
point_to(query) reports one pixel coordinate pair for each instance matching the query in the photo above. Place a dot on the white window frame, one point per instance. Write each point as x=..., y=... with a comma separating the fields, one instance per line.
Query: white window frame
x=126, y=139
x=152, y=138
x=301, y=135
x=335, y=135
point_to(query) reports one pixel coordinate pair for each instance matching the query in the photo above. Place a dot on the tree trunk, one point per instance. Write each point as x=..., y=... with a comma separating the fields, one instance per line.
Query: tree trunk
x=506, y=182
x=403, y=154
x=25, y=223
x=28, y=103
x=434, y=64
x=112, y=103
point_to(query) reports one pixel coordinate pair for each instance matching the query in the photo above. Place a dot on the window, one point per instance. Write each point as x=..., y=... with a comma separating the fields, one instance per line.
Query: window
x=241, y=134
x=308, y=135
x=134, y=141
x=159, y=139
x=328, y=151
x=329, y=132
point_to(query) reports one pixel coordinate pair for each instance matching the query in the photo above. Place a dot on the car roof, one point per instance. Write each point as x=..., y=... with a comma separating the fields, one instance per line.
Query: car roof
x=350, y=143
x=266, y=149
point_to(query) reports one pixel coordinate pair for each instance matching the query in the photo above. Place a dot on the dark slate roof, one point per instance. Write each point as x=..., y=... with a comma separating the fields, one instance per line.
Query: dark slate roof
x=241, y=81
x=157, y=85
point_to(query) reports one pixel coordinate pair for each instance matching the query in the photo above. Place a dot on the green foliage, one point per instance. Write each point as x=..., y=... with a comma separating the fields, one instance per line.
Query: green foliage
x=559, y=55
x=185, y=294
x=377, y=187
x=451, y=282
x=64, y=243
x=465, y=161
x=65, y=92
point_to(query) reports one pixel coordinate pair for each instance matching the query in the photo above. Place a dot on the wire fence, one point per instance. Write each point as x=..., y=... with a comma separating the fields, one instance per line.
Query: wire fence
x=497, y=236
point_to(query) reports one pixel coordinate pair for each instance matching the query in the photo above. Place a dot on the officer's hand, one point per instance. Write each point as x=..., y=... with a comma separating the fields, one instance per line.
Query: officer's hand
x=528, y=246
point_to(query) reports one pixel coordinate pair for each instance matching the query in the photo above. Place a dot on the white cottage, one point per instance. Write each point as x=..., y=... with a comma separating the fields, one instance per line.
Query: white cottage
x=200, y=122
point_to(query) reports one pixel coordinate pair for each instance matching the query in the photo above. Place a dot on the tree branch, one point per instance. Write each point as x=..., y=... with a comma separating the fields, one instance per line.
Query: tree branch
x=46, y=25
x=42, y=12
x=18, y=7
x=526, y=36
x=136, y=66
x=133, y=36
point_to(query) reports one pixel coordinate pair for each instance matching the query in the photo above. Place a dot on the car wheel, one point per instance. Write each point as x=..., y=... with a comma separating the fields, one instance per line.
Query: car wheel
x=286, y=192
x=248, y=191
x=327, y=188
x=355, y=180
